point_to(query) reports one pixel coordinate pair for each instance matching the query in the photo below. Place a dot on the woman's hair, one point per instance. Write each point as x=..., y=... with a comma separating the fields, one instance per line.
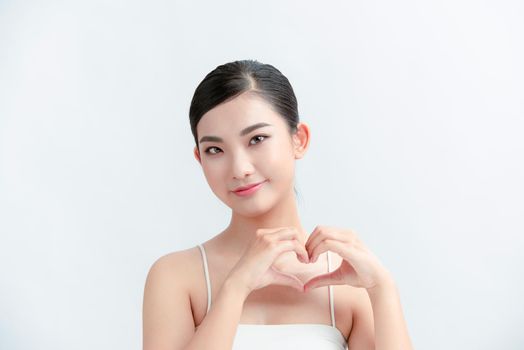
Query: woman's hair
x=234, y=78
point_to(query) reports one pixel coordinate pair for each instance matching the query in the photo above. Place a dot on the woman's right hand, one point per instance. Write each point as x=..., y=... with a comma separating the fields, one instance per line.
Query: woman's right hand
x=255, y=270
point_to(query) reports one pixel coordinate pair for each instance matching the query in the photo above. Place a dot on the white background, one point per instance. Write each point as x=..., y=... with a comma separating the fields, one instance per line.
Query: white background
x=416, y=112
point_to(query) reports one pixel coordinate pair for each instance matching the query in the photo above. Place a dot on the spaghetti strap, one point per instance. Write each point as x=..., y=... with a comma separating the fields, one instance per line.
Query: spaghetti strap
x=208, y=284
x=206, y=273
x=331, y=299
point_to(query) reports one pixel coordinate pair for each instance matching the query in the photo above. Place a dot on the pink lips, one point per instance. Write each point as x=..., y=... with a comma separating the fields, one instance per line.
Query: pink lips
x=249, y=191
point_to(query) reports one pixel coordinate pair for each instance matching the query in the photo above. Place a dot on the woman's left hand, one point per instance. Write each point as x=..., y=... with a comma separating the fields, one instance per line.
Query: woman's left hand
x=359, y=267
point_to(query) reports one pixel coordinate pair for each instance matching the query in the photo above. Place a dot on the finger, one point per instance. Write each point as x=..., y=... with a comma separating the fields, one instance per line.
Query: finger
x=284, y=233
x=341, y=248
x=312, y=236
x=331, y=278
x=292, y=245
x=291, y=233
x=280, y=235
x=274, y=231
x=345, y=232
x=302, y=254
x=285, y=279
x=288, y=232
x=325, y=233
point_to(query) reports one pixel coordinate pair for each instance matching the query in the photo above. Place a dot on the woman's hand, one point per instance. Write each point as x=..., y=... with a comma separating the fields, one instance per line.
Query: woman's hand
x=359, y=267
x=255, y=269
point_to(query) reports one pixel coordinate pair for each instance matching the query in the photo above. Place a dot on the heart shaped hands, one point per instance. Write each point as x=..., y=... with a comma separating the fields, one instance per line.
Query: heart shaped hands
x=257, y=268
x=359, y=267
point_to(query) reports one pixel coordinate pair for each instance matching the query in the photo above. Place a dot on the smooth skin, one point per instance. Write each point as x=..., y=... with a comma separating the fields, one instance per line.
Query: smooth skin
x=262, y=246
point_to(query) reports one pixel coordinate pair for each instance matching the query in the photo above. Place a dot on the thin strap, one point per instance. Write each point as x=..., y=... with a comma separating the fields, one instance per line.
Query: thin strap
x=206, y=272
x=331, y=300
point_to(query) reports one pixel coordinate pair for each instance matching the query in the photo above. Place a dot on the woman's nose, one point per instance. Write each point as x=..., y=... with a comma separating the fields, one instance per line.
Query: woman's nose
x=241, y=165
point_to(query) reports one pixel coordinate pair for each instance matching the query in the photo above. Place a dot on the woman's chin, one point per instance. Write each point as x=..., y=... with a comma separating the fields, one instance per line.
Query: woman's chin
x=251, y=209
x=250, y=212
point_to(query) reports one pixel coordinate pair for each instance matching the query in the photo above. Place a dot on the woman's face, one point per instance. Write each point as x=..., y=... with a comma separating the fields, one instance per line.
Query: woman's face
x=234, y=152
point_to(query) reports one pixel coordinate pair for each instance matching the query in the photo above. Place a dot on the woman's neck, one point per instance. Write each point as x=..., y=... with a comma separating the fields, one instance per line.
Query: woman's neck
x=242, y=229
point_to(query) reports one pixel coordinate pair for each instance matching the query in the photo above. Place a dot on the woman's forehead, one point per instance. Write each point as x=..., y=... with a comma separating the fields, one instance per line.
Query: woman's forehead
x=234, y=115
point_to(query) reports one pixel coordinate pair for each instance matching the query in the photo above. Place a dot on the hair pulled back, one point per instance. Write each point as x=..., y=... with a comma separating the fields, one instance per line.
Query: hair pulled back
x=234, y=78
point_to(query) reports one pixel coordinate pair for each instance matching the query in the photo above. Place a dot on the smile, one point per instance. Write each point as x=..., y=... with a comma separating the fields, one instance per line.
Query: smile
x=249, y=191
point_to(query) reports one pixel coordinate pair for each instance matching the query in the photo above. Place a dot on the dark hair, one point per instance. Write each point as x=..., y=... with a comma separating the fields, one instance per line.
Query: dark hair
x=234, y=78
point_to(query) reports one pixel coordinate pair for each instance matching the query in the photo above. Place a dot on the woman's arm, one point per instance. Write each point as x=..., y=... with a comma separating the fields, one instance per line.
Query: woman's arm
x=391, y=332
x=378, y=322
x=361, y=268
x=167, y=316
x=168, y=320
x=218, y=329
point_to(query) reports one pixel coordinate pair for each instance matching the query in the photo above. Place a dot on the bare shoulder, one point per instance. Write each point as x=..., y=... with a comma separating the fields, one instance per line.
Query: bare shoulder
x=167, y=315
x=175, y=271
x=174, y=264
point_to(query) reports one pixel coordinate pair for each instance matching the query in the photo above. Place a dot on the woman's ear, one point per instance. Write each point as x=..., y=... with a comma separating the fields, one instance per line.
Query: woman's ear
x=197, y=155
x=301, y=140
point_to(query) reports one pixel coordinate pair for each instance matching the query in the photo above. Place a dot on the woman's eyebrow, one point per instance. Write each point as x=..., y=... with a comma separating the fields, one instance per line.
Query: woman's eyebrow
x=242, y=133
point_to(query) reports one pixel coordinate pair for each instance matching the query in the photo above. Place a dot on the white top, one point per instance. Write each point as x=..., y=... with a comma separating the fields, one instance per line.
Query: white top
x=302, y=336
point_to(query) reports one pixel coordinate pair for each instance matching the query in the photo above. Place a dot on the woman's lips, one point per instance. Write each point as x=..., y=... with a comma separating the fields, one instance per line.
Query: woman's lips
x=249, y=191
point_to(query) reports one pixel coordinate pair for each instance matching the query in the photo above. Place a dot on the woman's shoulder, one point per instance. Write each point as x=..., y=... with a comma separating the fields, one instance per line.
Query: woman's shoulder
x=167, y=297
x=180, y=274
x=175, y=268
x=173, y=257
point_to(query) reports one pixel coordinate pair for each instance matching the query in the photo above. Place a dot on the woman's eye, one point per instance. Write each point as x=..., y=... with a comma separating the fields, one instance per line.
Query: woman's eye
x=207, y=150
x=257, y=137
x=263, y=136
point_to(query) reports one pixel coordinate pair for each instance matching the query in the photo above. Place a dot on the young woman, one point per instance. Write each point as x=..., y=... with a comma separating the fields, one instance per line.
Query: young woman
x=264, y=282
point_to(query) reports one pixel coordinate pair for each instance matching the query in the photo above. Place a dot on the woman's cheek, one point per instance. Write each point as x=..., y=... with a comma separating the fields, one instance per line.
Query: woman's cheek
x=279, y=163
x=212, y=175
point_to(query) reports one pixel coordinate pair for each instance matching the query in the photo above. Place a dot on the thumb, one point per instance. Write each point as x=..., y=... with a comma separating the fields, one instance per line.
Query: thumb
x=285, y=279
x=323, y=280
